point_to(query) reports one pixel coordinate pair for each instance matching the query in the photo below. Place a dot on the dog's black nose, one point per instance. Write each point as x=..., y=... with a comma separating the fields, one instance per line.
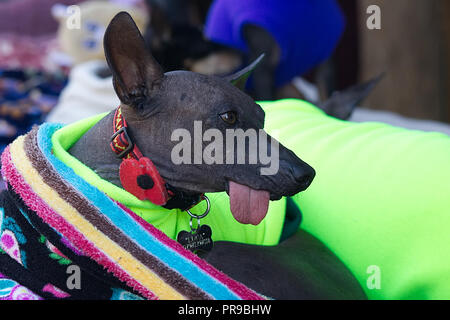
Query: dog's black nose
x=304, y=174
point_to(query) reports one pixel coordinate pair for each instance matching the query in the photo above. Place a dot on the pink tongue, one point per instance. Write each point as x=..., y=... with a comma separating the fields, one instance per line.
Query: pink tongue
x=248, y=206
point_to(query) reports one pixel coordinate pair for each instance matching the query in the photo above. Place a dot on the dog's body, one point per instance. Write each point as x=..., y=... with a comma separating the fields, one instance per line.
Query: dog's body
x=154, y=105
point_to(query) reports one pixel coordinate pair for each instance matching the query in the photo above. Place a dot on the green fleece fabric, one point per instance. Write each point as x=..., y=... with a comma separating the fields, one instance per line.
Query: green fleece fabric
x=380, y=200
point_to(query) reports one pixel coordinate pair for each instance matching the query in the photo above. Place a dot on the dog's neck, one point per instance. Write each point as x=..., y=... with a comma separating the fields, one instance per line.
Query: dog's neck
x=93, y=150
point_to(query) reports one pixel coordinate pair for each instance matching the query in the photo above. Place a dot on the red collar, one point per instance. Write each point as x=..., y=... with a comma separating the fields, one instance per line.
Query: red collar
x=121, y=143
x=139, y=175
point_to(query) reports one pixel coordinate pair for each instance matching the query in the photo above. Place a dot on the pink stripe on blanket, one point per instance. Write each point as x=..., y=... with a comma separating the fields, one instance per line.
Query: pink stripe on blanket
x=49, y=216
x=242, y=291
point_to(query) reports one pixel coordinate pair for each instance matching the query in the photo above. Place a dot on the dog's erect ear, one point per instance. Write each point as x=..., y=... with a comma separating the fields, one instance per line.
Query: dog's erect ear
x=341, y=104
x=239, y=79
x=135, y=72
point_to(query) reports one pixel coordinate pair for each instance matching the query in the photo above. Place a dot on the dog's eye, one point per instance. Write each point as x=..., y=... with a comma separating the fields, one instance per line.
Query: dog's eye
x=229, y=117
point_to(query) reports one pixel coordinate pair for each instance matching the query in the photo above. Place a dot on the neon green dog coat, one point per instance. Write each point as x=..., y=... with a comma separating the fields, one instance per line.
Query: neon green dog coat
x=380, y=200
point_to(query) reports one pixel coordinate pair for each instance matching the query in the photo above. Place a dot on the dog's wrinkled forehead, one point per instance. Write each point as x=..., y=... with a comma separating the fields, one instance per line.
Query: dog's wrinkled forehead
x=210, y=95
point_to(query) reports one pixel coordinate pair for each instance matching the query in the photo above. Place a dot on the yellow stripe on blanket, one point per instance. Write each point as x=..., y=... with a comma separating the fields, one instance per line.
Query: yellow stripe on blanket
x=124, y=259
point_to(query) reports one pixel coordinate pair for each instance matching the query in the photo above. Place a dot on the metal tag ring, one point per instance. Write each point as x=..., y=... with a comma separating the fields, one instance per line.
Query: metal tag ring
x=193, y=230
x=208, y=207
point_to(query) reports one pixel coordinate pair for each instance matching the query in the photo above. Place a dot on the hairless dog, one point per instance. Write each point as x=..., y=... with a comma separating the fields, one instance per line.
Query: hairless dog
x=155, y=104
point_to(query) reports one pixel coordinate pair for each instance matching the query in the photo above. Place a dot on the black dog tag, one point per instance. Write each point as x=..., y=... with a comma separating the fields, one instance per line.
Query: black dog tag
x=197, y=240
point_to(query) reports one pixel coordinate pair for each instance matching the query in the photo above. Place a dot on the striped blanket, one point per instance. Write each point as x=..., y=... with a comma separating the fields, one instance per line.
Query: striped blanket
x=63, y=238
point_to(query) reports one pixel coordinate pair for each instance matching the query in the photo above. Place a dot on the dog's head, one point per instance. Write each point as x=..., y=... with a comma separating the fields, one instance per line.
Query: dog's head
x=203, y=133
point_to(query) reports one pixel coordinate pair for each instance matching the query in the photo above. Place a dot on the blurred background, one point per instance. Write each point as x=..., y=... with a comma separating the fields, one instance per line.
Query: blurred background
x=52, y=66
